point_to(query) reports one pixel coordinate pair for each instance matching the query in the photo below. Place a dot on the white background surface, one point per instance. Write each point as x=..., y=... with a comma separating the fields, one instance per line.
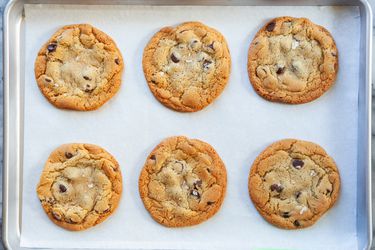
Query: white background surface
x=239, y=125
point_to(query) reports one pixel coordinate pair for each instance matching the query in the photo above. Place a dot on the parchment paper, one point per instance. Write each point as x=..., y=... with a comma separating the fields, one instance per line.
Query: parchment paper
x=239, y=125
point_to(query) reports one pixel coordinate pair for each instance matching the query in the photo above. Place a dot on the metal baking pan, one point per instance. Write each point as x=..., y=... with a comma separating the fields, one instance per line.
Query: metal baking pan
x=14, y=82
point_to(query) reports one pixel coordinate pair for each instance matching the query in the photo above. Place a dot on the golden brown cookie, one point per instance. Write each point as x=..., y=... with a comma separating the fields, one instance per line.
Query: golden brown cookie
x=80, y=186
x=183, y=182
x=292, y=60
x=187, y=67
x=292, y=183
x=79, y=68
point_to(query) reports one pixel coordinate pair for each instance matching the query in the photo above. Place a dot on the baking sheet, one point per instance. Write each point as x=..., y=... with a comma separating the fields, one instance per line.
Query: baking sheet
x=239, y=125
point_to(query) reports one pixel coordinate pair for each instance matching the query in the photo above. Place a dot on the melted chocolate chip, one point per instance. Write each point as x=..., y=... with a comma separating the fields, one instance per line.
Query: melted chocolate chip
x=271, y=26
x=280, y=70
x=298, y=194
x=174, y=58
x=51, y=47
x=86, y=78
x=210, y=202
x=117, y=61
x=153, y=157
x=195, y=193
x=276, y=187
x=62, y=188
x=285, y=215
x=297, y=163
x=296, y=223
x=68, y=155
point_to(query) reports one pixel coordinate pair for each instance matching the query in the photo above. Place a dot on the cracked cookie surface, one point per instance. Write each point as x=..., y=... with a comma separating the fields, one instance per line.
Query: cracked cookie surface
x=292, y=60
x=292, y=183
x=187, y=67
x=79, y=68
x=80, y=186
x=183, y=182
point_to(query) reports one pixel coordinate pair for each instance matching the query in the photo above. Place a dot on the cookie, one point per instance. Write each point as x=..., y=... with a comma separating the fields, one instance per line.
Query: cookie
x=80, y=186
x=183, y=182
x=292, y=183
x=187, y=67
x=292, y=60
x=79, y=68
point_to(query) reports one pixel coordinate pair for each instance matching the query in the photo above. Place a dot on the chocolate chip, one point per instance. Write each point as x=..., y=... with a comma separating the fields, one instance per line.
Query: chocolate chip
x=285, y=215
x=208, y=170
x=271, y=26
x=296, y=223
x=328, y=191
x=206, y=63
x=276, y=187
x=195, y=41
x=56, y=216
x=62, y=188
x=211, y=46
x=117, y=61
x=174, y=58
x=198, y=183
x=153, y=157
x=86, y=78
x=68, y=155
x=88, y=89
x=210, y=202
x=47, y=79
x=195, y=193
x=298, y=194
x=52, y=47
x=280, y=70
x=297, y=163
x=294, y=68
x=153, y=81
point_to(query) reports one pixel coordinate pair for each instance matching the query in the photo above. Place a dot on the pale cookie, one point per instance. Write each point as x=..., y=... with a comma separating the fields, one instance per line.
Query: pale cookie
x=187, y=67
x=79, y=68
x=80, y=186
x=183, y=182
x=292, y=60
x=292, y=183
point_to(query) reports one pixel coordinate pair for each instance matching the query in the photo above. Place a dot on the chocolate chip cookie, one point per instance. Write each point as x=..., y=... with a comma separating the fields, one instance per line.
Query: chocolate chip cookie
x=292, y=183
x=79, y=68
x=80, y=186
x=292, y=60
x=183, y=182
x=187, y=67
